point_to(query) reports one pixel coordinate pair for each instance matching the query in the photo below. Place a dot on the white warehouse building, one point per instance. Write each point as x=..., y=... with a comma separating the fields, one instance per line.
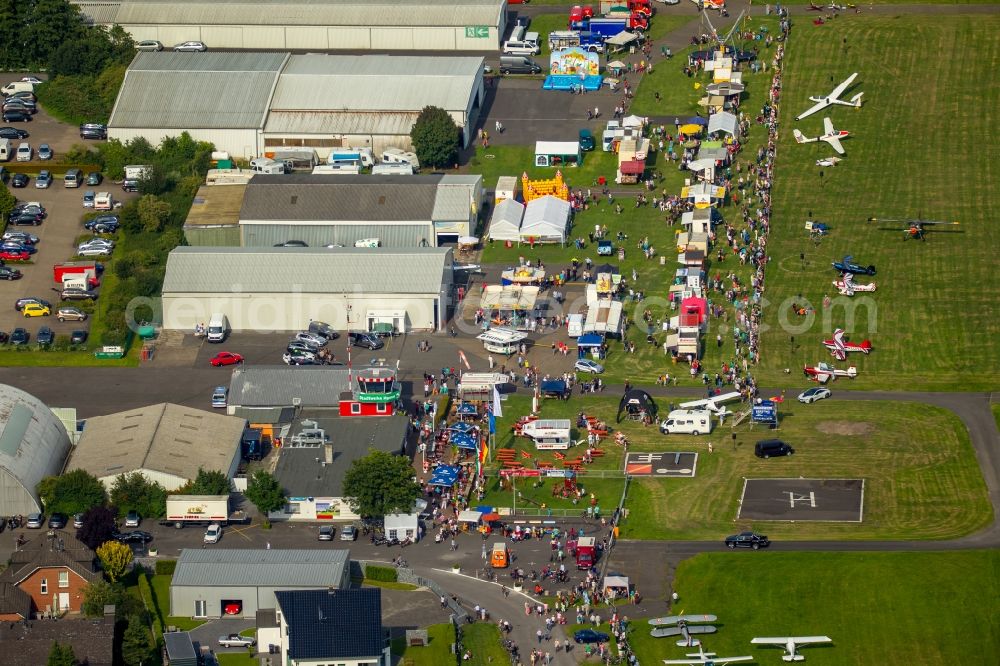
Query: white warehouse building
x=284, y=288
x=251, y=103
x=430, y=25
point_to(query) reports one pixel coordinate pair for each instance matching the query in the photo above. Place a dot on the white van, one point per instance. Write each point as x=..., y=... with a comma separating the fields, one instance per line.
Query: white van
x=687, y=422
x=392, y=170
x=502, y=340
x=397, y=156
x=218, y=328
x=574, y=326
x=18, y=86
x=266, y=165
x=527, y=46
x=6, y=150
x=24, y=152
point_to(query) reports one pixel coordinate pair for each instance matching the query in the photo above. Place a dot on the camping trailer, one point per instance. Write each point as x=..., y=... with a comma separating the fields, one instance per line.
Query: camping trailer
x=549, y=434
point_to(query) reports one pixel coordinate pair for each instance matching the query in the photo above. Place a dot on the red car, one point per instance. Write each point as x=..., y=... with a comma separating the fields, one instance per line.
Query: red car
x=13, y=255
x=226, y=358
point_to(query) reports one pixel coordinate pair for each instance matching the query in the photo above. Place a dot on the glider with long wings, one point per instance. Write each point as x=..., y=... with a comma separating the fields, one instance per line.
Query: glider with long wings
x=791, y=644
x=831, y=135
x=821, y=103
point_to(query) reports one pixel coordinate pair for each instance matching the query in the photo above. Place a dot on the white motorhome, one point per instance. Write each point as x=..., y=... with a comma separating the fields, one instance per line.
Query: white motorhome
x=392, y=170
x=549, y=434
x=6, y=150
x=397, y=156
x=341, y=168
x=687, y=422
x=228, y=177
x=362, y=157
x=266, y=165
x=502, y=340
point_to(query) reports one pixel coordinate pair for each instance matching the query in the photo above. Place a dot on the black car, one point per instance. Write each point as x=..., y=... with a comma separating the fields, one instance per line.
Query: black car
x=12, y=133
x=16, y=117
x=93, y=131
x=292, y=243
x=324, y=329
x=102, y=224
x=8, y=273
x=590, y=636
x=19, y=180
x=57, y=521
x=21, y=302
x=27, y=219
x=365, y=339
x=747, y=540
x=45, y=336
x=772, y=448
x=134, y=536
x=19, y=336
x=78, y=337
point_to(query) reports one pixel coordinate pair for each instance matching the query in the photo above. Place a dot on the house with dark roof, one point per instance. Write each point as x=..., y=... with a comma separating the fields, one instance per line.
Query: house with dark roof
x=332, y=626
x=28, y=643
x=52, y=572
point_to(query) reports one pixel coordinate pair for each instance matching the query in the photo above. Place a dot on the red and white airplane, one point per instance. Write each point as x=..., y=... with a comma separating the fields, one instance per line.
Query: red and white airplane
x=830, y=135
x=846, y=285
x=824, y=372
x=840, y=348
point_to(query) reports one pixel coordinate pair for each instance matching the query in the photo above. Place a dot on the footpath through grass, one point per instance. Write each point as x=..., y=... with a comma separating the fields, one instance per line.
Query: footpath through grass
x=922, y=480
x=879, y=608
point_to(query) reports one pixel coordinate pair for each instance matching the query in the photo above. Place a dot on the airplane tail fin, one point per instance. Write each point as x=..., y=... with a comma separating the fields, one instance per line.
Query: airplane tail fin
x=799, y=136
x=856, y=100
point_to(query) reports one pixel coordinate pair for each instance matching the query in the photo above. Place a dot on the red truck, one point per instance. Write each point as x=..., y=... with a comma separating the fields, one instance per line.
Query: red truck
x=586, y=552
x=640, y=6
x=89, y=269
x=578, y=13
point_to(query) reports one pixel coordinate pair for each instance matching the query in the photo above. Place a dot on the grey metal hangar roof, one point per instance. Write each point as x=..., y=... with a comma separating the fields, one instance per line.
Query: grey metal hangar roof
x=307, y=270
x=280, y=386
x=232, y=567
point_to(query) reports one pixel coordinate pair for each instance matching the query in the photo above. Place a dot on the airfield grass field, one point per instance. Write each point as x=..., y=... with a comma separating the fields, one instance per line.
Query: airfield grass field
x=922, y=480
x=921, y=146
x=894, y=609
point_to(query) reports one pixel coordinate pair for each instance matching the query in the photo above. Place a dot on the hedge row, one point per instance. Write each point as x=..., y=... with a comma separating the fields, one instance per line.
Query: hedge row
x=382, y=574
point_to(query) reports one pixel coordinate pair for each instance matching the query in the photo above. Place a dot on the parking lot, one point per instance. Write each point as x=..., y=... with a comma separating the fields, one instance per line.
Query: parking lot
x=57, y=234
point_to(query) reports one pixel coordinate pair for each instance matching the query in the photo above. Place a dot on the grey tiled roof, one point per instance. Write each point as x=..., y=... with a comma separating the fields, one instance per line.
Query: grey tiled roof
x=222, y=567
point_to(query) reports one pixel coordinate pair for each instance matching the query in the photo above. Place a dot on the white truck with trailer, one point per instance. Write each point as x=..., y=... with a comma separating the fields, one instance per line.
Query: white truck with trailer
x=201, y=511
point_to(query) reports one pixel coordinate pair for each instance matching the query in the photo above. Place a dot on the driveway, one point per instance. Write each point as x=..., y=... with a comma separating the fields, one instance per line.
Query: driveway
x=207, y=635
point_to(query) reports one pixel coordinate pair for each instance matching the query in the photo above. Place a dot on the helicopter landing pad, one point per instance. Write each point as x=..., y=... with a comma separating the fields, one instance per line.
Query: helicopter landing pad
x=829, y=500
x=675, y=464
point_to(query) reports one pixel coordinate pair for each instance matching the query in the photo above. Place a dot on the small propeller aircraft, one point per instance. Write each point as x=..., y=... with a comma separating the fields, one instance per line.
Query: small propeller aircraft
x=830, y=135
x=682, y=626
x=791, y=643
x=834, y=97
x=828, y=162
x=713, y=404
x=824, y=372
x=846, y=285
x=848, y=266
x=702, y=657
x=840, y=348
x=914, y=229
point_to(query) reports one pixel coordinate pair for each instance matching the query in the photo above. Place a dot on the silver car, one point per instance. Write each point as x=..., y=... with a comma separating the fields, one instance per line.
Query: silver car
x=311, y=338
x=71, y=314
x=148, y=45
x=191, y=47
x=235, y=640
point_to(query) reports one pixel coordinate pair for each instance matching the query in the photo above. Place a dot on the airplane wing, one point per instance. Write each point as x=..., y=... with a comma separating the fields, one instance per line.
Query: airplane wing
x=770, y=641
x=701, y=629
x=710, y=660
x=843, y=86
x=663, y=632
x=694, y=404
x=818, y=106
x=835, y=143
x=828, y=126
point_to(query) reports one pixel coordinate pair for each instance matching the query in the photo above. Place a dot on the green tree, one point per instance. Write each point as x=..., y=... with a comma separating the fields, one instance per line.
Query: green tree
x=133, y=491
x=61, y=655
x=50, y=24
x=115, y=558
x=136, y=646
x=98, y=526
x=265, y=492
x=208, y=482
x=98, y=594
x=435, y=137
x=380, y=483
x=7, y=200
x=73, y=492
x=154, y=213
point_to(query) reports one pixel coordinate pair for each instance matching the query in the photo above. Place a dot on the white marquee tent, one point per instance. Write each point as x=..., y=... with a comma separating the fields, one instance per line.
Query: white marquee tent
x=506, y=221
x=546, y=220
x=722, y=122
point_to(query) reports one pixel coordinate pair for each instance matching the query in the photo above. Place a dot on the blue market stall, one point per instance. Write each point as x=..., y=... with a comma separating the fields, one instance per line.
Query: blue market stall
x=590, y=344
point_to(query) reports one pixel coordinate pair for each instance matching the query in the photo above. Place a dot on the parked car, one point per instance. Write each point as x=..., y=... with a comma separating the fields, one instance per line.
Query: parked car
x=323, y=329
x=300, y=358
x=191, y=47
x=590, y=636
x=586, y=365
x=365, y=339
x=220, y=397
x=94, y=178
x=326, y=533
x=19, y=336
x=88, y=200
x=43, y=179
x=235, y=640
x=772, y=448
x=31, y=79
x=18, y=246
x=292, y=243
x=95, y=250
x=35, y=521
x=586, y=139
x=77, y=294
x=348, y=533
x=93, y=131
x=213, y=533
x=301, y=346
x=44, y=152
x=13, y=133
x=311, y=338
x=226, y=358
x=102, y=224
x=57, y=521
x=45, y=336
x=71, y=314
x=8, y=273
x=14, y=255
x=26, y=218
x=148, y=45
x=16, y=117
x=814, y=394
x=22, y=236
x=134, y=536
x=19, y=180
x=77, y=520
x=132, y=519
x=78, y=337
x=20, y=303
x=747, y=540
x=35, y=310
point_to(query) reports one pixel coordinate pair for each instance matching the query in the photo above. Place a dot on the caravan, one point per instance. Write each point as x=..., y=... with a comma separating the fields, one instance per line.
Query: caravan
x=502, y=340
x=687, y=422
x=360, y=157
x=267, y=166
x=549, y=434
x=397, y=156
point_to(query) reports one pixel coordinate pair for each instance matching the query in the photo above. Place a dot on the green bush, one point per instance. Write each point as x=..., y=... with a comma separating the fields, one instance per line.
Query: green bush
x=382, y=574
x=165, y=567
